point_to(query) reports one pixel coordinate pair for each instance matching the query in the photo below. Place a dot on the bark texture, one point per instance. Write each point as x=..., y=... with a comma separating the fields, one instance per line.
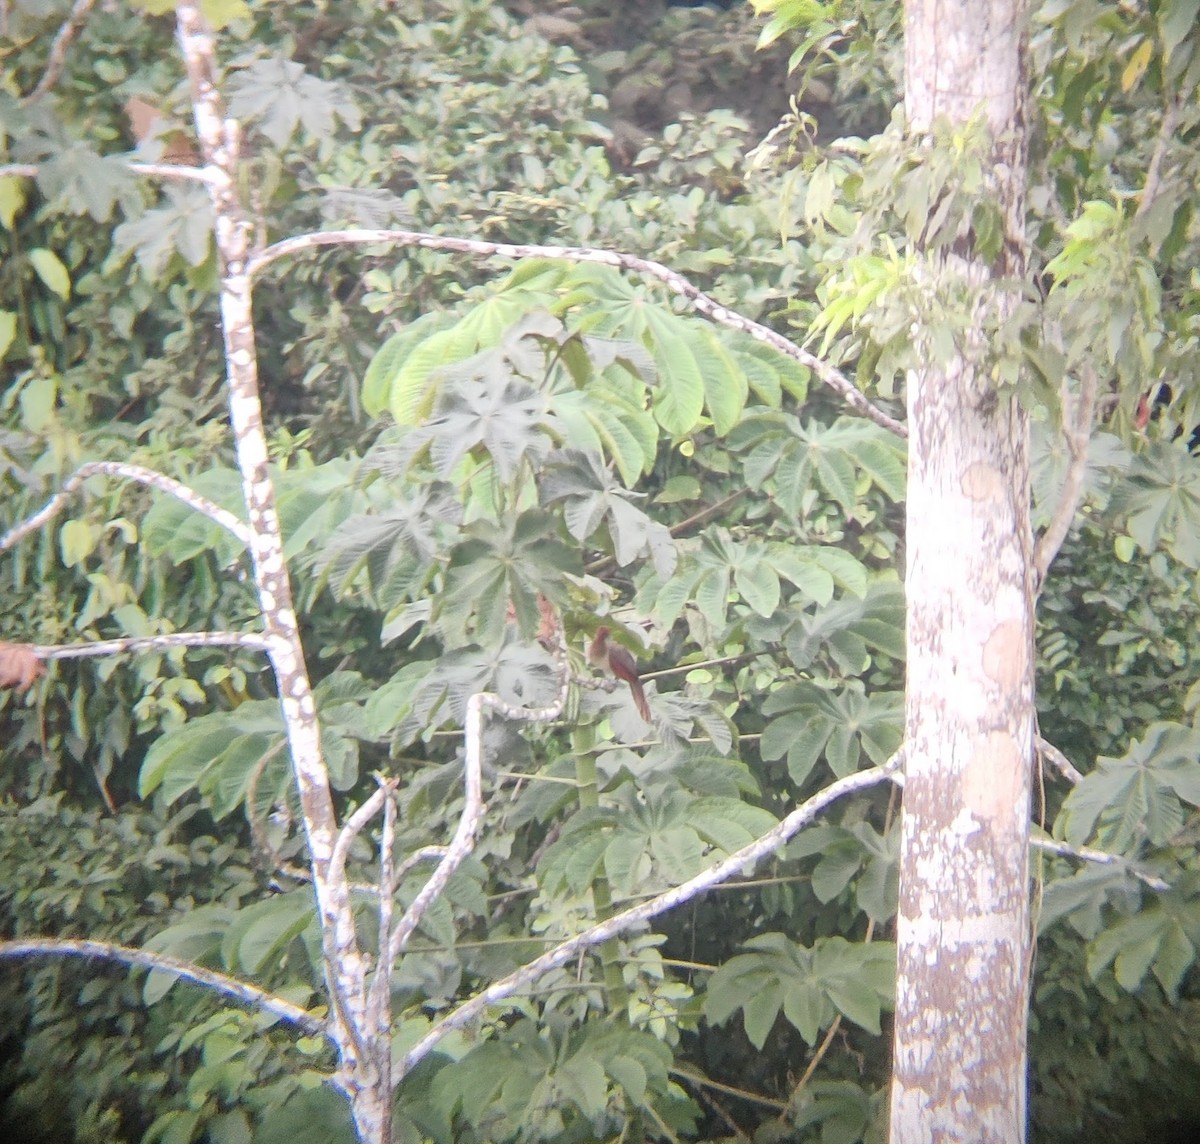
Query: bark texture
x=963, y=925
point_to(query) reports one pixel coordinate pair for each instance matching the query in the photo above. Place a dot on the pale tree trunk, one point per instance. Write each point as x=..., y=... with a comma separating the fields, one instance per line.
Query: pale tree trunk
x=963, y=926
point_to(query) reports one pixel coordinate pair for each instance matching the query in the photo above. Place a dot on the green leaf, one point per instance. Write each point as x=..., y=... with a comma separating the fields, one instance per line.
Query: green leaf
x=1136, y=798
x=12, y=199
x=279, y=97
x=51, y=271
x=679, y=398
x=261, y=931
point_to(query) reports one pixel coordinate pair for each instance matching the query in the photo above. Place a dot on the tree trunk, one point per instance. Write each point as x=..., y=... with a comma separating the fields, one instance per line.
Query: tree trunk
x=963, y=925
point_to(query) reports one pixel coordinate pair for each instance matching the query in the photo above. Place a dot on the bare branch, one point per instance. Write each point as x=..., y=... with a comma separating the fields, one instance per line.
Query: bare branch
x=231, y=987
x=1170, y=120
x=1077, y=428
x=124, y=471
x=1058, y=760
x=251, y=640
x=379, y=1009
x=741, y=860
x=58, y=50
x=699, y=301
x=151, y=170
x=1100, y=857
x=469, y=821
x=424, y=854
x=352, y=827
x=174, y=171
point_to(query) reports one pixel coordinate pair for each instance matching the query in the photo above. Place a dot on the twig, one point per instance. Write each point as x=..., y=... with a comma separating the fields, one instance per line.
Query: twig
x=250, y=994
x=698, y=300
x=707, y=512
x=58, y=50
x=1077, y=428
x=125, y=471
x=747, y=856
x=424, y=854
x=258, y=832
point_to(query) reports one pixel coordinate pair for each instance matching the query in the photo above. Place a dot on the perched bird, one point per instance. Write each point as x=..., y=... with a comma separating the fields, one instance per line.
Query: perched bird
x=612, y=658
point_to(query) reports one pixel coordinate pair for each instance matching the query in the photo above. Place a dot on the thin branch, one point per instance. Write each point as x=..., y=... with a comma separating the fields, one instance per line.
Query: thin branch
x=1058, y=760
x=707, y=512
x=251, y=640
x=1166, y=129
x=1077, y=428
x=151, y=170
x=742, y=1094
x=424, y=854
x=699, y=301
x=379, y=995
x=1100, y=858
x=174, y=171
x=231, y=987
x=123, y=471
x=58, y=50
x=353, y=826
x=469, y=821
x=746, y=857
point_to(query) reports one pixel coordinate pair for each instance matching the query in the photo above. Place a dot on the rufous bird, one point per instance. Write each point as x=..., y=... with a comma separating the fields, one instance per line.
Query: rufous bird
x=609, y=656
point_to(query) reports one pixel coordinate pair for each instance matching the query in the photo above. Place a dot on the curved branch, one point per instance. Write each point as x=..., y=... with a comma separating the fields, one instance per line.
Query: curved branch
x=242, y=991
x=618, y=923
x=1077, y=428
x=1170, y=120
x=469, y=821
x=128, y=472
x=697, y=299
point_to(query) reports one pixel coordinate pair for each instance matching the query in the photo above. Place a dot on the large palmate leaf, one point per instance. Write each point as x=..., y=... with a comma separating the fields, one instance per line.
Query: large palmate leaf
x=183, y=227
x=649, y=842
x=855, y=854
x=808, y=722
x=1138, y=798
x=406, y=375
x=720, y=570
x=591, y=498
x=1161, y=938
x=398, y=543
x=1160, y=501
x=789, y=457
x=501, y=566
x=811, y=985
x=222, y=754
x=847, y=629
x=278, y=96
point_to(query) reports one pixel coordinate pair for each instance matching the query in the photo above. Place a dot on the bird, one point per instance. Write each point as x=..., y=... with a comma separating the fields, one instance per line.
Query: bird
x=611, y=657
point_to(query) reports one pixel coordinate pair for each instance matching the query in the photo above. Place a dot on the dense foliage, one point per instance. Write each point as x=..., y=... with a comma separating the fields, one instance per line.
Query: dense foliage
x=456, y=441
